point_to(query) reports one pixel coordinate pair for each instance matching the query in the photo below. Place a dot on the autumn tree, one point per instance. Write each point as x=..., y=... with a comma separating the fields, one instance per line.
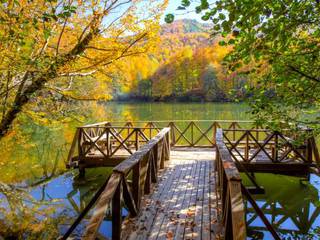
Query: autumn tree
x=51, y=47
x=280, y=40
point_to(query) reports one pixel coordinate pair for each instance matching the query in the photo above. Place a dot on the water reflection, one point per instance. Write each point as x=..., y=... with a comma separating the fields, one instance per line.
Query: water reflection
x=33, y=152
x=56, y=203
x=290, y=204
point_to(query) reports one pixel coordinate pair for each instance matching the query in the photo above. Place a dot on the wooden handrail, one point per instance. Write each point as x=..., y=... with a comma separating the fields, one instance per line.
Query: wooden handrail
x=229, y=184
x=144, y=165
x=167, y=121
x=127, y=165
x=230, y=194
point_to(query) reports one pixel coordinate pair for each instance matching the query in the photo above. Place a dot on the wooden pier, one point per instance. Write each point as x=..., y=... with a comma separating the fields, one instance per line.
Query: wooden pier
x=181, y=179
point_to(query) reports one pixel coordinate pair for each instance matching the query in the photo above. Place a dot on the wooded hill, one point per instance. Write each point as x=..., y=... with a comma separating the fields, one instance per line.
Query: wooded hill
x=186, y=65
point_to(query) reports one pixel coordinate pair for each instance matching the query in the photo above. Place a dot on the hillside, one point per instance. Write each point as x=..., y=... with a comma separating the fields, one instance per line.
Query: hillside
x=185, y=66
x=185, y=32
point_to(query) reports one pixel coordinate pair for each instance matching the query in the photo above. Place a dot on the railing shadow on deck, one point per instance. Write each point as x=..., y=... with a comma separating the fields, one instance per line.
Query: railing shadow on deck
x=142, y=168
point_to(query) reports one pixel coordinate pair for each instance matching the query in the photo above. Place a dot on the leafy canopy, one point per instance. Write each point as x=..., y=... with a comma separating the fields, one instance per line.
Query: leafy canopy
x=280, y=40
x=62, y=49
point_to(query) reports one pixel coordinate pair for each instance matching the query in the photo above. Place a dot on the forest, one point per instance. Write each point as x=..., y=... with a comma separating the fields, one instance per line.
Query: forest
x=186, y=65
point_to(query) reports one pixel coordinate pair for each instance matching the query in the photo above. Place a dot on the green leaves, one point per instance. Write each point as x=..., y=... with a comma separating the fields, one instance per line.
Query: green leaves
x=46, y=33
x=271, y=38
x=204, y=4
x=169, y=18
x=222, y=16
x=185, y=3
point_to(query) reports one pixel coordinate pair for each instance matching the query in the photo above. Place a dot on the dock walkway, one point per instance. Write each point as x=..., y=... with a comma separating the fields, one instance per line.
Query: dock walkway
x=173, y=178
x=183, y=203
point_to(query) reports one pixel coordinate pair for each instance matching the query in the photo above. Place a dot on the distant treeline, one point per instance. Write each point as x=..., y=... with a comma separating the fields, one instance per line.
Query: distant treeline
x=186, y=66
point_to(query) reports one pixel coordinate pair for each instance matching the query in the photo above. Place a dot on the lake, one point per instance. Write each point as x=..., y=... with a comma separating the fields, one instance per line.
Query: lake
x=39, y=199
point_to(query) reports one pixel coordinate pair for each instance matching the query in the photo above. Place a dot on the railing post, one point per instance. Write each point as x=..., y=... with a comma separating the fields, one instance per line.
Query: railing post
x=309, y=151
x=154, y=158
x=137, y=138
x=157, y=158
x=234, y=132
x=214, y=133
x=117, y=213
x=237, y=211
x=246, y=156
x=276, y=147
x=80, y=150
x=147, y=184
x=315, y=151
x=108, y=142
x=173, y=136
x=168, y=147
x=136, y=185
x=192, y=132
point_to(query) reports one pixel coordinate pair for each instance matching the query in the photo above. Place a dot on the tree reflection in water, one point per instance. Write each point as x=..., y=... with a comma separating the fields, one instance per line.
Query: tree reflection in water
x=47, y=209
x=291, y=205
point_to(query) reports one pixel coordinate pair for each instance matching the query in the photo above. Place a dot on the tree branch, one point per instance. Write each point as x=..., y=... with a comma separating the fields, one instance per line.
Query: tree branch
x=304, y=74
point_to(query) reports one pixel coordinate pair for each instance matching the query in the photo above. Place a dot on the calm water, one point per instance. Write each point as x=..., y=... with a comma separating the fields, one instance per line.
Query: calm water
x=35, y=187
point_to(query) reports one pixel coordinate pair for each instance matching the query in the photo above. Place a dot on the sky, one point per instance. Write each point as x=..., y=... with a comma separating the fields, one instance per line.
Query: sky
x=189, y=13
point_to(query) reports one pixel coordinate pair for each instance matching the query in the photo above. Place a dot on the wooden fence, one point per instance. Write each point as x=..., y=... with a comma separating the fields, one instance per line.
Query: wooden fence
x=142, y=166
x=248, y=145
x=230, y=192
x=96, y=142
x=184, y=133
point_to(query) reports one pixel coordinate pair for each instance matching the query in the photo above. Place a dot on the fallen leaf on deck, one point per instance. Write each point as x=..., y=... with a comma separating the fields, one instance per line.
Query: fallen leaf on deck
x=169, y=235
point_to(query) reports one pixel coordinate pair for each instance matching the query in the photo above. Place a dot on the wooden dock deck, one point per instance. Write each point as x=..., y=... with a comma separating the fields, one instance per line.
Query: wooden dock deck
x=181, y=180
x=183, y=203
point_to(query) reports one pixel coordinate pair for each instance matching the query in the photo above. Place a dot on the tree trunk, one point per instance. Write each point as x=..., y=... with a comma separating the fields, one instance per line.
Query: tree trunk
x=38, y=83
x=21, y=99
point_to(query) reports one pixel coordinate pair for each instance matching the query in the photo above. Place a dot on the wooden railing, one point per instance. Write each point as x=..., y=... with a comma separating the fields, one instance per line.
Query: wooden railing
x=229, y=192
x=107, y=141
x=266, y=145
x=142, y=167
x=184, y=133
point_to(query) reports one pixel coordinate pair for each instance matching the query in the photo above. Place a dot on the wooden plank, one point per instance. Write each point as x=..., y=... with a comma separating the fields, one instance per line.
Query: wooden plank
x=171, y=221
x=188, y=232
x=152, y=206
x=205, y=231
x=166, y=200
x=197, y=234
x=183, y=213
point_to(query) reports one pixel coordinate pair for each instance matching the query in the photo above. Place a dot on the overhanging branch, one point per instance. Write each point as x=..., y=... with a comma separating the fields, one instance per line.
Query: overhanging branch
x=294, y=69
